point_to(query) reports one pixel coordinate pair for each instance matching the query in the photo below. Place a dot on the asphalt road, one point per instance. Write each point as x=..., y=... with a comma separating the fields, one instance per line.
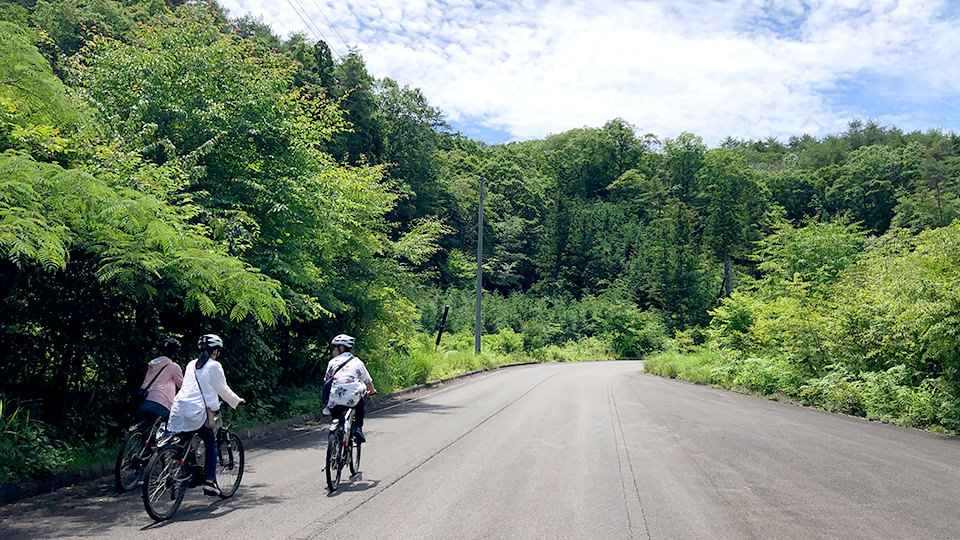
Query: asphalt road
x=596, y=450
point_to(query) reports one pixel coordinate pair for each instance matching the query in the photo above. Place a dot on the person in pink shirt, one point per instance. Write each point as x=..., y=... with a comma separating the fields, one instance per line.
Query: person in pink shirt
x=164, y=377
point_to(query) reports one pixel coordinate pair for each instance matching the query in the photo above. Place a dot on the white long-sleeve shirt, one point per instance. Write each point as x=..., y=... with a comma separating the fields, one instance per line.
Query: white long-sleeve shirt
x=189, y=406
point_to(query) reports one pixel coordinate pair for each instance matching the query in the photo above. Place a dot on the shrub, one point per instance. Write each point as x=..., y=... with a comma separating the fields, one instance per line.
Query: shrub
x=585, y=350
x=537, y=334
x=27, y=451
x=304, y=400
x=687, y=341
x=886, y=397
x=948, y=408
x=733, y=321
x=759, y=375
x=836, y=391
x=507, y=342
x=411, y=369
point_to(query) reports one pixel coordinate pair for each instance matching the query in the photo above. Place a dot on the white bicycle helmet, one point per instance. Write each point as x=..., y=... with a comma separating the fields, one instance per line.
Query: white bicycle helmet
x=209, y=342
x=344, y=340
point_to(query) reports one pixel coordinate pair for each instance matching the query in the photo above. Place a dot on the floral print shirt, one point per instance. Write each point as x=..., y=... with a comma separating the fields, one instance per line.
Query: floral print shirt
x=350, y=381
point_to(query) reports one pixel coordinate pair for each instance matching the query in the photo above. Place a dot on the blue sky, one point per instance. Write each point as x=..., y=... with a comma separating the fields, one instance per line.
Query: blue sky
x=521, y=69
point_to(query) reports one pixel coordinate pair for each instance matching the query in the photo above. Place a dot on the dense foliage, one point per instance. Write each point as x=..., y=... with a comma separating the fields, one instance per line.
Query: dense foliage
x=166, y=170
x=872, y=331
x=176, y=184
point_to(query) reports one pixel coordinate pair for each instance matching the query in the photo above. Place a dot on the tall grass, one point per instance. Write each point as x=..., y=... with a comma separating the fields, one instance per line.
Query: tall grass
x=703, y=366
x=423, y=362
x=887, y=396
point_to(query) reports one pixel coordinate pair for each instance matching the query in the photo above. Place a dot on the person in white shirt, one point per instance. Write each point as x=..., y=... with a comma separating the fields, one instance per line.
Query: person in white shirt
x=203, y=385
x=351, y=381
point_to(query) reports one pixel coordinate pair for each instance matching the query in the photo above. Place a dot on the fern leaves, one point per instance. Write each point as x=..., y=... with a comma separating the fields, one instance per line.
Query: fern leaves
x=27, y=234
x=144, y=245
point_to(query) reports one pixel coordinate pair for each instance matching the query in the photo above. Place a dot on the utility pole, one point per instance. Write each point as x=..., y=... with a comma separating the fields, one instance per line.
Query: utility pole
x=476, y=348
x=443, y=322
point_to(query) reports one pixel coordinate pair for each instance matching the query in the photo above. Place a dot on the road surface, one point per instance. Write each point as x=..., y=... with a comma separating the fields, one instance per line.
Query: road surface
x=591, y=450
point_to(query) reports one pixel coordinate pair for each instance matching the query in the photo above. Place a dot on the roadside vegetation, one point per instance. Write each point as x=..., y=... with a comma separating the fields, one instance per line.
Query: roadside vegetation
x=170, y=169
x=873, y=332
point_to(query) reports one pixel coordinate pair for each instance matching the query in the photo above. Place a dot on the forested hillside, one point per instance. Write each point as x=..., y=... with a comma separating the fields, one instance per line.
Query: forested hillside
x=169, y=170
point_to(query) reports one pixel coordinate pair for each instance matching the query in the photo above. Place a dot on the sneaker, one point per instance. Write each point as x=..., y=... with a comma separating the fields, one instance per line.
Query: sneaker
x=211, y=488
x=358, y=435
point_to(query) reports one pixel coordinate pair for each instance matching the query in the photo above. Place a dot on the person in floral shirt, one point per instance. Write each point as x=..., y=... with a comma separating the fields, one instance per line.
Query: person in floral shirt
x=351, y=381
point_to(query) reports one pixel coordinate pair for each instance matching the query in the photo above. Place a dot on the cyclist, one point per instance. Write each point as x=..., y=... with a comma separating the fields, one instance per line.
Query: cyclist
x=203, y=385
x=351, y=381
x=162, y=380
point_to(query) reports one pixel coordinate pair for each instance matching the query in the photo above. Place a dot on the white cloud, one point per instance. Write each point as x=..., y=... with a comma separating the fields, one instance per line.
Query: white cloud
x=747, y=68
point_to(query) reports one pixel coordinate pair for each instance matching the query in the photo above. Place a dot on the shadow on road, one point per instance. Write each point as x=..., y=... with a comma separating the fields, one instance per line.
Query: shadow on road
x=402, y=408
x=97, y=510
x=246, y=498
x=356, y=484
x=314, y=434
x=77, y=514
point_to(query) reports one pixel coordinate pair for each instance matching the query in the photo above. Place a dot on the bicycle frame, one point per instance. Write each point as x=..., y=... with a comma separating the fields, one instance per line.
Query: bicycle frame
x=340, y=449
x=131, y=460
x=179, y=464
x=348, y=424
x=345, y=430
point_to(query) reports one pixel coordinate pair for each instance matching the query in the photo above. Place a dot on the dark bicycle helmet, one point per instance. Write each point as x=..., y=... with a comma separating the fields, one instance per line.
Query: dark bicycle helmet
x=170, y=347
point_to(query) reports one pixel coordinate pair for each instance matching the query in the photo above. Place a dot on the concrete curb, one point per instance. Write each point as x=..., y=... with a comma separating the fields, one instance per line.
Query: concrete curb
x=254, y=437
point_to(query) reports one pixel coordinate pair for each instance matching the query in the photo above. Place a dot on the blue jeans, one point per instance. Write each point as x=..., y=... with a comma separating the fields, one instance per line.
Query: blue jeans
x=151, y=410
x=210, y=459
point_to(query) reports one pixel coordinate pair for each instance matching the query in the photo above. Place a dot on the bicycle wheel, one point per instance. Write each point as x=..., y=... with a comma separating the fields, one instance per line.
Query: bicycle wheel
x=354, y=455
x=129, y=465
x=165, y=482
x=229, y=464
x=334, y=459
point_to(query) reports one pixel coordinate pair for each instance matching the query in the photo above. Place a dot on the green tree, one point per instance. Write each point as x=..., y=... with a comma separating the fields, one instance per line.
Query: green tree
x=816, y=253
x=410, y=129
x=733, y=208
x=933, y=198
x=32, y=96
x=681, y=283
x=869, y=181
x=72, y=23
x=315, y=66
x=259, y=33
x=795, y=188
x=363, y=141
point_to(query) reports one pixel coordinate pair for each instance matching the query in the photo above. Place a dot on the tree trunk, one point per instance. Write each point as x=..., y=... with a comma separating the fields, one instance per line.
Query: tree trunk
x=727, y=275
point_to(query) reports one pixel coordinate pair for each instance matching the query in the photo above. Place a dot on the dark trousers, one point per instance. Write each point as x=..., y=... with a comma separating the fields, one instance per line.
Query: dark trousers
x=148, y=411
x=338, y=412
x=210, y=459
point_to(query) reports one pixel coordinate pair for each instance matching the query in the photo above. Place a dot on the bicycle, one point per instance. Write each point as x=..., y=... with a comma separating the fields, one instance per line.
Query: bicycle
x=138, y=445
x=342, y=449
x=178, y=465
